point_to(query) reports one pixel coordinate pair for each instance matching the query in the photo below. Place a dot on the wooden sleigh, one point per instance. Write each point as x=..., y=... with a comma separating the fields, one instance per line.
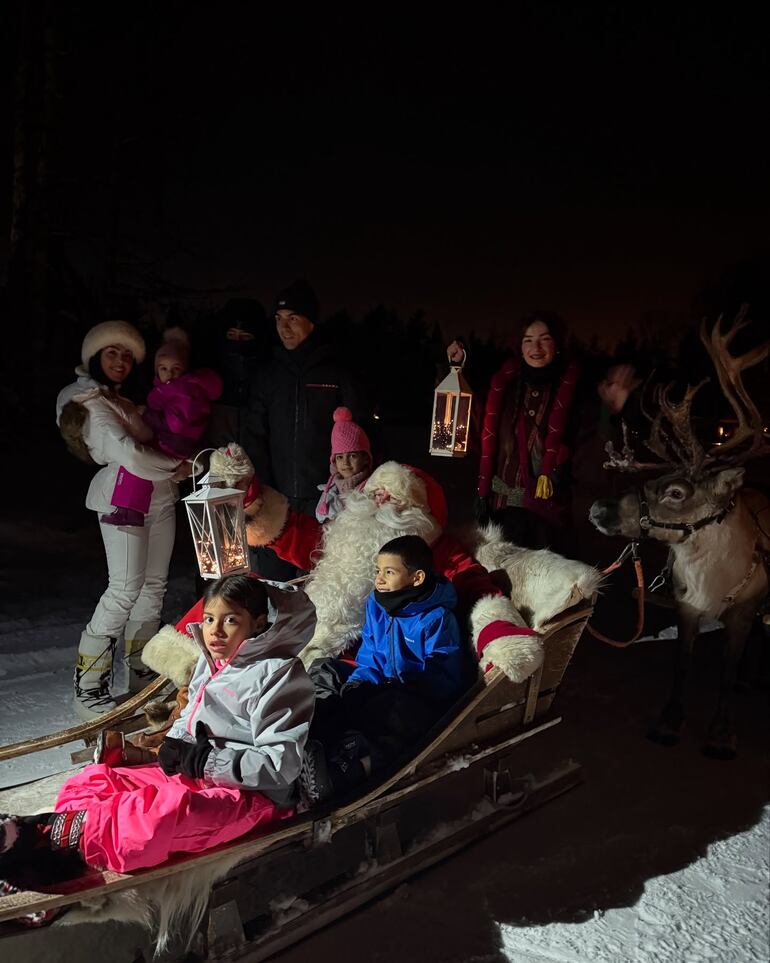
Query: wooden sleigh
x=277, y=888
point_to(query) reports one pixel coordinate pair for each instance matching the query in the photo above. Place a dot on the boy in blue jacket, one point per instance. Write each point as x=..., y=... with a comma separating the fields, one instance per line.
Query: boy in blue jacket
x=411, y=666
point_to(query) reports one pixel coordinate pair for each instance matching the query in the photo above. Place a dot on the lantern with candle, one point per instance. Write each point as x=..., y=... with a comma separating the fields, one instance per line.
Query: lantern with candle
x=451, y=422
x=218, y=527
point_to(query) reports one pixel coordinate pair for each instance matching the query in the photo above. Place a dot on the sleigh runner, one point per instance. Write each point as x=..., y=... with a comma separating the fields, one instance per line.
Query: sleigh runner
x=463, y=783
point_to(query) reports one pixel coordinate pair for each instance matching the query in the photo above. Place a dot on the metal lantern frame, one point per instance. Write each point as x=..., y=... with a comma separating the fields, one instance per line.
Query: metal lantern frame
x=450, y=427
x=218, y=526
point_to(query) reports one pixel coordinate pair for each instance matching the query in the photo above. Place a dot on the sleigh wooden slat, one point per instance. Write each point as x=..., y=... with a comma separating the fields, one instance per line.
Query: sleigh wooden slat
x=109, y=720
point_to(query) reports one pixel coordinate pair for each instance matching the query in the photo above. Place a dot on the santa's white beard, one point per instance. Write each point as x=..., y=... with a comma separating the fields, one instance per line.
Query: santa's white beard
x=343, y=577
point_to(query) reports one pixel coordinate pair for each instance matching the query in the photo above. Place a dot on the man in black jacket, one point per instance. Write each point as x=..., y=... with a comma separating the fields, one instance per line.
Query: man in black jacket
x=289, y=423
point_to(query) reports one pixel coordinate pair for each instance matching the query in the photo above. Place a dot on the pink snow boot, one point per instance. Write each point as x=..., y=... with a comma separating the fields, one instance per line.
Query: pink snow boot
x=124, y=516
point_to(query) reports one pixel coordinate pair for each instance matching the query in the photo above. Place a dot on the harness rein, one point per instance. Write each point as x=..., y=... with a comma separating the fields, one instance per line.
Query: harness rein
x=646, y=522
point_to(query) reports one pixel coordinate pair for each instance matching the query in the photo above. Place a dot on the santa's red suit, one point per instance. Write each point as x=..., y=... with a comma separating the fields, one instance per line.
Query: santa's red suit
x=340, y=556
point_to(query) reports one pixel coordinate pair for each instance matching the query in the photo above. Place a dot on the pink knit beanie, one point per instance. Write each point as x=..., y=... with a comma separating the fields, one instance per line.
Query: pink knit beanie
x=347, y=435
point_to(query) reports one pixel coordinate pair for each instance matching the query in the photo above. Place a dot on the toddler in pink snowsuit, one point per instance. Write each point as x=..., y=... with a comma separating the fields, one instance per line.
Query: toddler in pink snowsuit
x=177, y=413
x=228, y=765
x=351, y=464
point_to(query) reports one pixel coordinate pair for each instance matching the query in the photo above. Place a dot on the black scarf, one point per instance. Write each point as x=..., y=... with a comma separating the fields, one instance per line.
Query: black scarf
x=393, y=602
x=549, y=374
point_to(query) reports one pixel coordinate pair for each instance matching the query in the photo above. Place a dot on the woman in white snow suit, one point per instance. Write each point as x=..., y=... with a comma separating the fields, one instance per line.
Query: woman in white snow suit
x=100, y=426
x=228, y=765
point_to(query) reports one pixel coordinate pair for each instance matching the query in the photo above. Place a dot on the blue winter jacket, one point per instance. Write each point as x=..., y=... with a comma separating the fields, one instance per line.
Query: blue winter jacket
x=420, y=645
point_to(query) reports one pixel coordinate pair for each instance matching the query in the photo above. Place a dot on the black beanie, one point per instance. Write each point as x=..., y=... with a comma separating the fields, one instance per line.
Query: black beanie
x=300, y=298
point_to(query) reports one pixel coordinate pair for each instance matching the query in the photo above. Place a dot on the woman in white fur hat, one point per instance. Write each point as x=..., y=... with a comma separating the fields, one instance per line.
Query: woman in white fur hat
x=103, y=428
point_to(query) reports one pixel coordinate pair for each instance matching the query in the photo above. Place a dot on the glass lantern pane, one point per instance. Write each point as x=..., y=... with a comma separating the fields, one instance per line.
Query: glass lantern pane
x=443, y=420
x=231, y=541
x=203, y=540
x=463, y=423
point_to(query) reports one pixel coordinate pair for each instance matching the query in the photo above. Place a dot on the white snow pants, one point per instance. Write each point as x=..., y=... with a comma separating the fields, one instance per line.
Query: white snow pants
x=137, y=566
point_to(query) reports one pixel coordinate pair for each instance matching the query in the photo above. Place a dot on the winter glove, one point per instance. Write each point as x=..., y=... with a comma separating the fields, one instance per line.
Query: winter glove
x=170, y=755
x=193, y=756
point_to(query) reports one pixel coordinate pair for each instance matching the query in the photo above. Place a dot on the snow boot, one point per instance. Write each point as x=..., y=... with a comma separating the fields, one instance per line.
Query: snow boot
x=41, y=849
x=93, y=675
x=315, y=784
x=350, y=761
x=137, y=635
x=128, y=517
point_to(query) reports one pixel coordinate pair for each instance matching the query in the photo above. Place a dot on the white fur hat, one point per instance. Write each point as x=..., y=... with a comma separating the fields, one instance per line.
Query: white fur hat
x=112, y=332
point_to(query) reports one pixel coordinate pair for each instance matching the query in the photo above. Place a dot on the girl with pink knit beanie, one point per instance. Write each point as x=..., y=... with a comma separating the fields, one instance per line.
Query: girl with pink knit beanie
x=351, y=464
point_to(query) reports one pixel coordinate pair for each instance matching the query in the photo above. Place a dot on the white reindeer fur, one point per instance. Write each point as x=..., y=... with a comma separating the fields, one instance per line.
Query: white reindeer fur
x=714, y=560
x=542, y=582
x=172, y=654
x=172, y=904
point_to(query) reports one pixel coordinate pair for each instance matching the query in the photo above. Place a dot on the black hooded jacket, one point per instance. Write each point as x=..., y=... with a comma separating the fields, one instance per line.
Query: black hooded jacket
x=289, y=423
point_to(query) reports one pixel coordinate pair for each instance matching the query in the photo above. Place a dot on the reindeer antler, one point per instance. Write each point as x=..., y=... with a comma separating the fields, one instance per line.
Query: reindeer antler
x=687, y=447
x=728, y=368
x=625, y=460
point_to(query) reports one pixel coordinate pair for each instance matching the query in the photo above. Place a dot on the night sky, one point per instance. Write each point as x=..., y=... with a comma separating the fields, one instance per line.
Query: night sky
x=603, y=160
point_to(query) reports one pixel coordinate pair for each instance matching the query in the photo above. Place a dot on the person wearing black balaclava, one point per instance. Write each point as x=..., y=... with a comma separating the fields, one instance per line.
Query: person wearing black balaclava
x=239, y=343
x=291, y=407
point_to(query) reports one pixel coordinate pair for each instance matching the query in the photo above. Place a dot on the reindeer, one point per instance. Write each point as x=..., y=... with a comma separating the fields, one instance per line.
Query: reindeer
x=718, y=532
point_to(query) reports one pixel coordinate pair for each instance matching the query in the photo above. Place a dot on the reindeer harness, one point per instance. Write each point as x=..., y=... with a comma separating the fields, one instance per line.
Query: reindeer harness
x=689, y=528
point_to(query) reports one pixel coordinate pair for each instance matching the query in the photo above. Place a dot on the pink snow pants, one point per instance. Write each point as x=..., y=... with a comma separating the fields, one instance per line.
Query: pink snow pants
x=138, y=816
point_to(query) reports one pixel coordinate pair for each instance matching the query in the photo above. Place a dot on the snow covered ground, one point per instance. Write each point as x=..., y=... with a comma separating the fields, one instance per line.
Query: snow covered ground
x=661, y=855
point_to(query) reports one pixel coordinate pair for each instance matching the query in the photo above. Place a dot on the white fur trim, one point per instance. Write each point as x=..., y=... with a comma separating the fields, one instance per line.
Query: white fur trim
x=266, y=517
x=173, y=654
x=231, y=465
x=517, y=655
x=402, y=485
x=112, y=332
x=494, y=608
x=543, y=583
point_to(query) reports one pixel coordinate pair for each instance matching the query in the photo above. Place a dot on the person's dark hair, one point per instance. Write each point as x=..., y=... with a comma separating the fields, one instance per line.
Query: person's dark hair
x=413, y=551
x=556, y=327
x=244, y=591
x=129, y=385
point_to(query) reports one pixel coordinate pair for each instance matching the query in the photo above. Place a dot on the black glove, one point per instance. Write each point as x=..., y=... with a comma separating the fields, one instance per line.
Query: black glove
x=170, y=754
x=194, y=755
x=481, y=510
x=187, y=758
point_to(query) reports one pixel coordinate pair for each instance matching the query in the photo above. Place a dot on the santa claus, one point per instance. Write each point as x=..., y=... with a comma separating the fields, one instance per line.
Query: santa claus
x=340, y=556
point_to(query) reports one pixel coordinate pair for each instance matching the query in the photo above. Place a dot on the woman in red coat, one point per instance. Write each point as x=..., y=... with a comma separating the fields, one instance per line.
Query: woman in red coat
x=526, y=435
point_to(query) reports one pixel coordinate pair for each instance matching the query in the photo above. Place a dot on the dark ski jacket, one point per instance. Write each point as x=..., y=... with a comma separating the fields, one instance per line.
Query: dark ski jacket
x=289, y=421
x=419, y=646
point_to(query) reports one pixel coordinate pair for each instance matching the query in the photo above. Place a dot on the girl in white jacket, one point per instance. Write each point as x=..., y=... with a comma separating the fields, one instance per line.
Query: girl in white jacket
x=102, y=427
